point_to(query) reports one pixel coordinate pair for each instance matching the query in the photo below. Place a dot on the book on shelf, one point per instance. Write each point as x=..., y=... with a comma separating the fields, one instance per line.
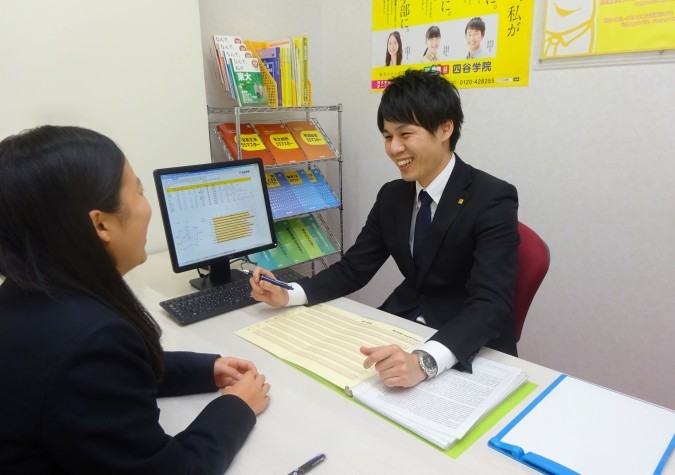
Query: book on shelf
x=270, y=57
x=252, y=145
x=441, y=410
x=301, y=57
x=280, y=142
x=298, y=240
x=310, y=139
x=290, y=242
x=226, y=46
x=294, y=192
x=286, y=59
x=318, y=235
x=248, y=80
x=287, y=86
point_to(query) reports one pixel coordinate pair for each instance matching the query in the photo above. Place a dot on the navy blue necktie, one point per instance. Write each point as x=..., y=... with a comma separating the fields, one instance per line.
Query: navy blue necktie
x=422, y=225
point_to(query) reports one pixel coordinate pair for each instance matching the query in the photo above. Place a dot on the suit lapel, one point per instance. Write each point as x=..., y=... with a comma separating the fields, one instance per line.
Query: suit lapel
x=453, y=199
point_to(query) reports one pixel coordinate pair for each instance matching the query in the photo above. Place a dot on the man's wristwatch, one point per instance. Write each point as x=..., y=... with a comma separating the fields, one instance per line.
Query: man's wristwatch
x=427, y=363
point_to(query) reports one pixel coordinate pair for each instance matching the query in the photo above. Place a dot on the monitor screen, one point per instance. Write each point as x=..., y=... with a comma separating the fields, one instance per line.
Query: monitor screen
x=213, y=213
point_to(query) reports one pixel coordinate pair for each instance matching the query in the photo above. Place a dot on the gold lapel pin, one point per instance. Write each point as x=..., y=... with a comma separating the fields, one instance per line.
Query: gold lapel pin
x=460, y=201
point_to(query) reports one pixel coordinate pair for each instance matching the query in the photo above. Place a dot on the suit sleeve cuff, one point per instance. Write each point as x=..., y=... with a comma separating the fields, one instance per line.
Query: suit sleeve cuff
x=443, y=356
x=296, y=296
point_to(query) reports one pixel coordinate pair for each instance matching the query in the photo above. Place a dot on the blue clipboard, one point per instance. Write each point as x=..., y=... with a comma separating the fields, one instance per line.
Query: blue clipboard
x=540, y=462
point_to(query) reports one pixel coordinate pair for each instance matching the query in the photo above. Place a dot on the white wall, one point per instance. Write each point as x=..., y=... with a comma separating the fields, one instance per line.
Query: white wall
x=590, y=151
x=129, y=69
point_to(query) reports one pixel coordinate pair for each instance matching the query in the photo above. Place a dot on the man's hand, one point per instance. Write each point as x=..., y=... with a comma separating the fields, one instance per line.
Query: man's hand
x=395, y=366
x=262, y=291
x=227, y=371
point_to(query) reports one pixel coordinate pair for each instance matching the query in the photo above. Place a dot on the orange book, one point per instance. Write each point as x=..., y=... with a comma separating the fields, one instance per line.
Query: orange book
x=251, y=144
x=310, y=139
x=280, y=142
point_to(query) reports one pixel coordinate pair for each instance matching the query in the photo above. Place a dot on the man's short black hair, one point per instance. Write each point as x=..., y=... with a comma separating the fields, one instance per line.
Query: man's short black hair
x=423, y=98
x=476, y=23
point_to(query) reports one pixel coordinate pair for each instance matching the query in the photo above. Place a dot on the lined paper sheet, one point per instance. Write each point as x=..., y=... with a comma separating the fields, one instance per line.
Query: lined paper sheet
x=326, y=340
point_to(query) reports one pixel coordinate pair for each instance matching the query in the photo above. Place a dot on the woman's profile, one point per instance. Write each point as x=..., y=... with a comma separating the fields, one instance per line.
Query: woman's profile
x=82, y=364
x=394, y=54
x=433, y=42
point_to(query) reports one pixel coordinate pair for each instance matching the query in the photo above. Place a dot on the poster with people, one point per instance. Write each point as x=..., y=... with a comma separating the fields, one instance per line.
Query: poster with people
x=474, y=43
x=593, y=27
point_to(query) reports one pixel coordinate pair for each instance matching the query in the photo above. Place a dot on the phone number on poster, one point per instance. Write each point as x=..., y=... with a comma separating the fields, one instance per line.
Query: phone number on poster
x=476, y=81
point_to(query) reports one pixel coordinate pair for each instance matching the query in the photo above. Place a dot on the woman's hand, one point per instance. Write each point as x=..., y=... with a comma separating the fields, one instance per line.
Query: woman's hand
x=252, y=389
x=227, y=371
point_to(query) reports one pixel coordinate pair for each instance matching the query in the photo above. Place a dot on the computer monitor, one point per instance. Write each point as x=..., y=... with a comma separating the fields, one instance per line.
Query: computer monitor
x=213, y=213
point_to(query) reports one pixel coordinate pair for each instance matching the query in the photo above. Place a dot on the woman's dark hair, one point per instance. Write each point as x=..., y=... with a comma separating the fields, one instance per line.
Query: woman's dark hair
x=432, y=32
x=423, y=98
x=399, y=53
x=50, y=179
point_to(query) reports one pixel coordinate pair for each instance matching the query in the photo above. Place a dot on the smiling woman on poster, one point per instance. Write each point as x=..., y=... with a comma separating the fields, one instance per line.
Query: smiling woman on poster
x=394, y=49
x=433, y=42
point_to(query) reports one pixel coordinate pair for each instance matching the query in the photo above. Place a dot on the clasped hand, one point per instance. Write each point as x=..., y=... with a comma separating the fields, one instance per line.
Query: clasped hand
x=240, y=378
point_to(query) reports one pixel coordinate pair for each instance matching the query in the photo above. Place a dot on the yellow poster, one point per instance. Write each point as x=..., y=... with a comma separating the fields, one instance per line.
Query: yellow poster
x=591, y=27
x=473, y=43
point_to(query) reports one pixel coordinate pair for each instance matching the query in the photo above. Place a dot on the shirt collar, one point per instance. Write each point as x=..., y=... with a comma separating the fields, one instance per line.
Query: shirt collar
x=436, y=187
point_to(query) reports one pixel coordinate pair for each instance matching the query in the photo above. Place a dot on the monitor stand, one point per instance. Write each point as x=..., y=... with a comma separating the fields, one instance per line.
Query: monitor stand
x=219, y=274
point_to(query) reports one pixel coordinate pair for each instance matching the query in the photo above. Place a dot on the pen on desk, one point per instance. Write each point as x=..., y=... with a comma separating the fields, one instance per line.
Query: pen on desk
x=310, y=464
x=281, y=284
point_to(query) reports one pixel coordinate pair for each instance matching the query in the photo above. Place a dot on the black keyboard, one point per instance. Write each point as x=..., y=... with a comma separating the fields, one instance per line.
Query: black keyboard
x=208, y=303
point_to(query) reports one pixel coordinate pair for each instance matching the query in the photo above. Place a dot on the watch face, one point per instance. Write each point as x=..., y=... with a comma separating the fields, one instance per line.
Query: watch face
x=427, y=363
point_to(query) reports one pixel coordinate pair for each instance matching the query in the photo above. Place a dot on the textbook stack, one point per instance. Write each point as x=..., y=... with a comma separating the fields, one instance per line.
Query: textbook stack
x=264, y=73
x=298, y=240
x=277, y=142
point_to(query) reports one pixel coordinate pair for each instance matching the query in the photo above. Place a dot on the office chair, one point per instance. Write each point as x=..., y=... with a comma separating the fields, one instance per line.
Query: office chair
x=533, y=262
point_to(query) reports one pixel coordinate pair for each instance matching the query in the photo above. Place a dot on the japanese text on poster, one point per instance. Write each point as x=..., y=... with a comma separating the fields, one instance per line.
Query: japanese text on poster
x=473, y=43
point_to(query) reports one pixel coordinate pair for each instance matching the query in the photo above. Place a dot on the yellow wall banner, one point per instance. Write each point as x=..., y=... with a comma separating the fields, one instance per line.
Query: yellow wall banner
x=591, y=27
x=473, y=43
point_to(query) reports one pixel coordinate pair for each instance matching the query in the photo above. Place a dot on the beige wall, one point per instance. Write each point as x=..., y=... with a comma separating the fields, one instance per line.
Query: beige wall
x=130, y=69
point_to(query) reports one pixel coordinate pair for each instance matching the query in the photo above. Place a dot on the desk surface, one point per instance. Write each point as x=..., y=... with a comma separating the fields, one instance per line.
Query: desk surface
x=305, y=417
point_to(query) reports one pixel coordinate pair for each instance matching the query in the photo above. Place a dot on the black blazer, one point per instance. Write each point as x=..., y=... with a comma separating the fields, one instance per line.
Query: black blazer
x=78, y=395
x=465, y=284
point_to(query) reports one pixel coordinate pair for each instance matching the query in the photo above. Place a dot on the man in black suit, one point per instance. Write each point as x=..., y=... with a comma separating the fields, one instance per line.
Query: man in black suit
x=451, y=229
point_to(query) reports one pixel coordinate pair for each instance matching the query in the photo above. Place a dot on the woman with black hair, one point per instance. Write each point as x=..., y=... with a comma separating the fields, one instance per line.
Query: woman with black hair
x=394, y=54
x=432, y=40
x=80, y=358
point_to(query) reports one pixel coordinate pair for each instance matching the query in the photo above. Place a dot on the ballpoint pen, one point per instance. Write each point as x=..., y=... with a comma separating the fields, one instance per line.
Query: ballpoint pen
x=281, y=284
x=310, y=464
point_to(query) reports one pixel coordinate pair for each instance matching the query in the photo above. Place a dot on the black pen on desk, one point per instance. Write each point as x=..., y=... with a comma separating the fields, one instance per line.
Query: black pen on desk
x=281, y=284
x=310, y=464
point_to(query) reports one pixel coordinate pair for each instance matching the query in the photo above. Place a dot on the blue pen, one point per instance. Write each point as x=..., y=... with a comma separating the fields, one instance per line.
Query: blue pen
x=310, y=464
x=281, y=284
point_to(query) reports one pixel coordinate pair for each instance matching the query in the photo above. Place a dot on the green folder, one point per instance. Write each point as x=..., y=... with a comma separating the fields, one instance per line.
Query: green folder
x=465, y=442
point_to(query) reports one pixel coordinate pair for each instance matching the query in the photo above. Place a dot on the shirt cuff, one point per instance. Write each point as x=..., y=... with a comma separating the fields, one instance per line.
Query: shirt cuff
x=443, y=356
x=296, y=296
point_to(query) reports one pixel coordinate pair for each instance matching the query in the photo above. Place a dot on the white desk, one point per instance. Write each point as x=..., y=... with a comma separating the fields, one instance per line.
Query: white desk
x=305, y=417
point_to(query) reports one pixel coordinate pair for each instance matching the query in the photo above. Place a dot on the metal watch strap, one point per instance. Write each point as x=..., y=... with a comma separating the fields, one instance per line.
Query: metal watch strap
x=427, y=363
